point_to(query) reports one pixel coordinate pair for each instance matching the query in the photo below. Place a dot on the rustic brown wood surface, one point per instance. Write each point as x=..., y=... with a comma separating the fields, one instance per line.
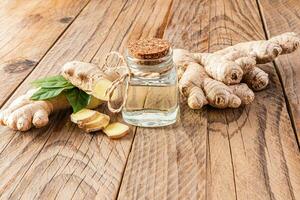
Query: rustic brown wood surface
x=279, y=17
x=246, y=153
x=68, y=162
x=28, y=30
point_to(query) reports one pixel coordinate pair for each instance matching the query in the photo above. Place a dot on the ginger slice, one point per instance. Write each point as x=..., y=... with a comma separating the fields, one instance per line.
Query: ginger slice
x=100, y=122
x=83, y=116
x=116, y=130
x=100, y=88
x=94, y=103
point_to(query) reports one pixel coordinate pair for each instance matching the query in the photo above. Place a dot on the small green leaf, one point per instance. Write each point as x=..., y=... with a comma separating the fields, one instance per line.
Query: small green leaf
x=53, y=86
x=77, y=98
x=46, y=93
x=52, y=82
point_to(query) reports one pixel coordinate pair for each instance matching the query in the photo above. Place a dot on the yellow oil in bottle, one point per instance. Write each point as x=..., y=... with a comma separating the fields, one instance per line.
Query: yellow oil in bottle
x=155, y=104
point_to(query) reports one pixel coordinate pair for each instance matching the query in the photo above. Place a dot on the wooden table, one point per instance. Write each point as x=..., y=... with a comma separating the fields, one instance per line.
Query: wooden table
x=246, y=153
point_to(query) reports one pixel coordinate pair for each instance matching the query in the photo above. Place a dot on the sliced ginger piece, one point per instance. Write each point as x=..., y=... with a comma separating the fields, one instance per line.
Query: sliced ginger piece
x=100, y=88
x=84, y=115
x=116, y=130
x=94, y=103
x=98, y=123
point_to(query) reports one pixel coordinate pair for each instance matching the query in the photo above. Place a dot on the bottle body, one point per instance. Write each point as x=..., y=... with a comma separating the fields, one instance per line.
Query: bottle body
x=152, y=102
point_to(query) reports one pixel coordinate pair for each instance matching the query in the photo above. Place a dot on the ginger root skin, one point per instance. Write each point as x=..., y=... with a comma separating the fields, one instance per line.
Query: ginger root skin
x=288, y=42
x=91, y=79
x=219, y=68
x=231, y=64
x=200, y=89
x=24, y=113
x=220, y=95
x=265, y=51
x=256, y=79
x=245, y=94
x=84, y=75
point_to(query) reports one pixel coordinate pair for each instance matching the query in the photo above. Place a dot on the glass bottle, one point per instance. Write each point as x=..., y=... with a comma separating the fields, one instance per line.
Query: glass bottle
x=152, y=96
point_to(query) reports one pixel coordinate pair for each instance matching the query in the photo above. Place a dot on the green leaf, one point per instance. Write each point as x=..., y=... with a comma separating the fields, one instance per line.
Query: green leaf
x=46, y=93
x=77, y=98
x=53, y=86
x=52, y=82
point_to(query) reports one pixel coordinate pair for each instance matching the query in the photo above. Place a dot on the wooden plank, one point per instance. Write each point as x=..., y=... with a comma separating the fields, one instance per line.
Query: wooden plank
x=70, y=47
x=28, y=30
x=170, y=162
x=251, y=152
x=220, y=170
x=260, y=140
x=280, y=17
x=60, y=161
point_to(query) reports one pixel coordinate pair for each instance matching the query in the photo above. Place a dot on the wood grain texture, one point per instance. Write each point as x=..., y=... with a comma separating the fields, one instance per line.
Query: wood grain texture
x=60, y=161
x=170, y=162
x=245, y=153
x=28, y=30
x=280, y=17
x=251, y=152
x=254, y=145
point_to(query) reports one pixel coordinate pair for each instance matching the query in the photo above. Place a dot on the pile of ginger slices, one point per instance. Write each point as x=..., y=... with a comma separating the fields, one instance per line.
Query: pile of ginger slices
x=92, y=120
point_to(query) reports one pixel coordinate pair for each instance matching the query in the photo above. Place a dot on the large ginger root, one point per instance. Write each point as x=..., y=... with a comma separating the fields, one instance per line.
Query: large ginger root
x=230, y=64
x=86, y=76
x=200, y=89
x=22, y=113
x=265, y=51
x=90, y=78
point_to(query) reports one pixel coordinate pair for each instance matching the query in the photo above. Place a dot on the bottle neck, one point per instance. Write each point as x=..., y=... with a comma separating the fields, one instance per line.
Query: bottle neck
x=148, y=66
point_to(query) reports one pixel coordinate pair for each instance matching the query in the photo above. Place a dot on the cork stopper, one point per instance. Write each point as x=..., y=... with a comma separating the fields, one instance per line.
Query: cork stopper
x=150, y=48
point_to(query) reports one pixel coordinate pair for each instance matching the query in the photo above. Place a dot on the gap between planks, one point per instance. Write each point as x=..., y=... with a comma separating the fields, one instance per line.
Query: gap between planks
x=287, y=102
x=260, y=140
x=134, y=135
x=103, y=45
